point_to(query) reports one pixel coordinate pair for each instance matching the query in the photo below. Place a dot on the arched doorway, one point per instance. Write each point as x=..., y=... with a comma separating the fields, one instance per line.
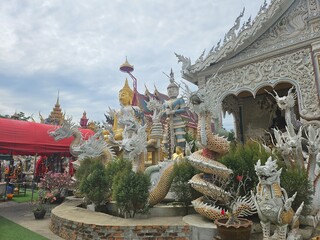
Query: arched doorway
x=256, y=113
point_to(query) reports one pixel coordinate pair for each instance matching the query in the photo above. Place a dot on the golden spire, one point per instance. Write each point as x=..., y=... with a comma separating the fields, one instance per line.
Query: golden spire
x=56, y=115
x=57, y=103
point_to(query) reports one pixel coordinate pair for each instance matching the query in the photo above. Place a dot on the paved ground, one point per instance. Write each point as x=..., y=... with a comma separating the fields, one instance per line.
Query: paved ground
x=21, y=214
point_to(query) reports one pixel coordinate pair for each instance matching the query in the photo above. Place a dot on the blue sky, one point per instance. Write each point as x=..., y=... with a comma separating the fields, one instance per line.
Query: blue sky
x=76, y=48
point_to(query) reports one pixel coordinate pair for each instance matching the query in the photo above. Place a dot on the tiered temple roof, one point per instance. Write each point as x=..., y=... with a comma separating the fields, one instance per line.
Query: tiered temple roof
x=56, y=116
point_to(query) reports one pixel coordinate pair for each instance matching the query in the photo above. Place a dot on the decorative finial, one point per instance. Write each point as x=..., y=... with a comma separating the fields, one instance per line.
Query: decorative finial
x=172, y=81
x=171, y=76
x=126, y=67
x=58, y=98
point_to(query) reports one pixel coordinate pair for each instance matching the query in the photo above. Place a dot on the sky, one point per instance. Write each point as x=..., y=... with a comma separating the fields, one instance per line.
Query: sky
x=75, y=48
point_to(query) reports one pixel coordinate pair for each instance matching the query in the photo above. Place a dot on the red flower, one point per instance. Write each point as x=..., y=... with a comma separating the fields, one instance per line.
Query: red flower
x=223, y=212
x=239, y=178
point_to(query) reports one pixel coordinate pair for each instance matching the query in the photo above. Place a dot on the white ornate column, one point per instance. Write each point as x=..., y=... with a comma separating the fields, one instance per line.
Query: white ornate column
x=316, y=58
x=314, y=22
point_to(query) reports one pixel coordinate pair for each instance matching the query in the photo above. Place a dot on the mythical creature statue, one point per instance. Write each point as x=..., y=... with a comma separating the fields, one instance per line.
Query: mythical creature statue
x=186, y=62
x=135, y=150
x=134, y=145
x=291, y=148
x=161, y=180
x=93, y=147
x=68, y=129
x=299, y=145
x=272, y=202
x=287, y=104
x=213, y=146
x=133, y=140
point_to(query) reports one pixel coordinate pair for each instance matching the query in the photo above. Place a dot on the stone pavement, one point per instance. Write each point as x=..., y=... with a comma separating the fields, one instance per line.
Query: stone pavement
x=21, y=214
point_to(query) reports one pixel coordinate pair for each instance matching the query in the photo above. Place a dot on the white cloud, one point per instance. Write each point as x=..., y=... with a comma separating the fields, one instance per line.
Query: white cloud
x=76, y=47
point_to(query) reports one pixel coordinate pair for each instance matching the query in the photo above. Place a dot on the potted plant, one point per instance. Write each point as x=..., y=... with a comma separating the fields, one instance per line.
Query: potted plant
x=38, y=206
x=55, y=186
x=235, y=202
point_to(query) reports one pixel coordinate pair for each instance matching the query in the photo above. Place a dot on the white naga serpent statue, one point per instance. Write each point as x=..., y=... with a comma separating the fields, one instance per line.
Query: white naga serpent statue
x=287, y=103
x=134, y=145
x=299, y=145
x=94, y=146
x=205, y=160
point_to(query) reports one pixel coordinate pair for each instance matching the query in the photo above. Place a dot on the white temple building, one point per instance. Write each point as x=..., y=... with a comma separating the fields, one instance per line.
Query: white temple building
x=277, y=50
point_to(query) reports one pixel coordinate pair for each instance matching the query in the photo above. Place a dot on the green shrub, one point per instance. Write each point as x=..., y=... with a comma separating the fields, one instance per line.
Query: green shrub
x=231, y=136
x=130, y=190
x=183, y=192
x=84, y=169
x=241, y=160
x=95, y=185
x=295, y=180
x=116, y=166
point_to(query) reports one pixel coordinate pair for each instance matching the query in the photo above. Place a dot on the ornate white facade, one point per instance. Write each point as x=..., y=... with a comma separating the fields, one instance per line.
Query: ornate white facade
x=280, y=47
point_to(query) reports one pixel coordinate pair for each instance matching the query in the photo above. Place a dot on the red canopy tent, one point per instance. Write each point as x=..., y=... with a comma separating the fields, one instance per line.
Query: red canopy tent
x=30, y=138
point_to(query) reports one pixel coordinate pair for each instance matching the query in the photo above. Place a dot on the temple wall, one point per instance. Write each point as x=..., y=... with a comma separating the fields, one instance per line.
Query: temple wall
x=295, y=68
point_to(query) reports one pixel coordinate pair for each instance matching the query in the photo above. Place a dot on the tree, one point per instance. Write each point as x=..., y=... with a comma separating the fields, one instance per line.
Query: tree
x=95, y=185
x=130, y=190
x=20, y=116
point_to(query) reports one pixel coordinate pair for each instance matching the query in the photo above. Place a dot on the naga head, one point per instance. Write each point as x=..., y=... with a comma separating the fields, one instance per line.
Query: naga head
x=134, y=143
x=286, y=102
x=268, y=173
x=197, y=101
x=65, y=131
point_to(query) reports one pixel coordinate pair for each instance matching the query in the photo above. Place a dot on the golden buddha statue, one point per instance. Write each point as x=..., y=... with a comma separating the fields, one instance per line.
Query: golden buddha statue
x=125, y=95
x=125, y=99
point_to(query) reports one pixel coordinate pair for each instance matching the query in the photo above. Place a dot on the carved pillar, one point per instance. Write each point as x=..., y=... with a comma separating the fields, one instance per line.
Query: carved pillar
x=316, y=59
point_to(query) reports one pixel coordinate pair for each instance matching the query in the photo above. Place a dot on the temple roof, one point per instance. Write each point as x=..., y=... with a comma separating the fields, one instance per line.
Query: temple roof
x=237, y=38
x=56, y=116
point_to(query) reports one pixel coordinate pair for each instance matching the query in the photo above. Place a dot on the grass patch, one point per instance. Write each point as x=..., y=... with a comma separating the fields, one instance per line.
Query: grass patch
x=27, y=198
x=12, y=231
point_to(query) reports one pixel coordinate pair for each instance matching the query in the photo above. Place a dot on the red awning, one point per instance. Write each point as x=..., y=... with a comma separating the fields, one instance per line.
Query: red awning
x=30, y=138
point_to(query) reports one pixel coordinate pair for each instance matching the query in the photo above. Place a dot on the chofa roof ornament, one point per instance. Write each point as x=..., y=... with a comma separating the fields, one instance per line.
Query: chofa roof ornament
x=235, y=38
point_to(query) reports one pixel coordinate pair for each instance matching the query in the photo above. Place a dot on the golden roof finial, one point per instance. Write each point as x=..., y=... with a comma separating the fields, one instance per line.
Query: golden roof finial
x=126, y=66
x=58, y=99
